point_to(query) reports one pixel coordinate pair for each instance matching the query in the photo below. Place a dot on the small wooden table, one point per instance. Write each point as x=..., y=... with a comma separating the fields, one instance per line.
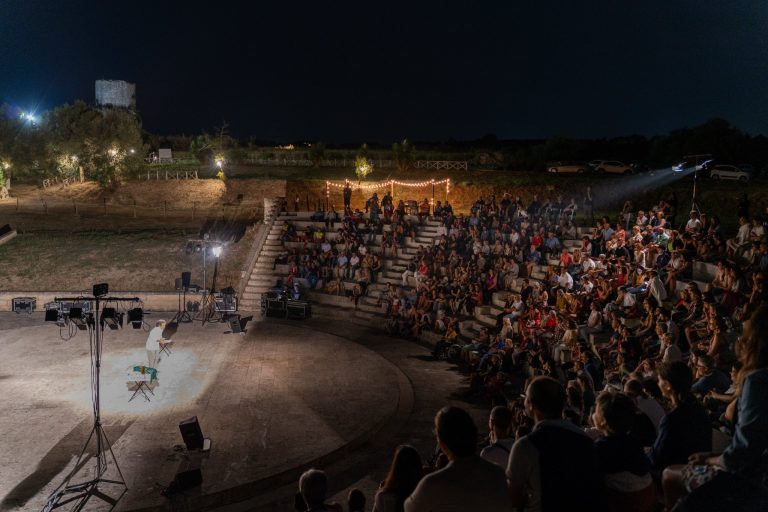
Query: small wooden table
x=142, y=381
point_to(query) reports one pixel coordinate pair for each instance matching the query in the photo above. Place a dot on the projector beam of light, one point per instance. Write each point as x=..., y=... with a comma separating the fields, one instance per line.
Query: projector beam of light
x=630, y=186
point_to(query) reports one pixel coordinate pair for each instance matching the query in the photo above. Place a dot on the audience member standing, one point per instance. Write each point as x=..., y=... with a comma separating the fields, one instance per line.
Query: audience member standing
x=313, y=489
x=554, y=468
x=501, y=444
x=468, y=482
x=404, y=474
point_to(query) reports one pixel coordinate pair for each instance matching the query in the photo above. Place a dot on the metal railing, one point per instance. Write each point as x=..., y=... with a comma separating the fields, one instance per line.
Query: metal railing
x=459, y=165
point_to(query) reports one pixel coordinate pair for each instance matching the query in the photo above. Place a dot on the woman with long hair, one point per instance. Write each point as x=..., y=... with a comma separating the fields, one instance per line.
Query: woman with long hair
x=404, y=474
x=737, y=479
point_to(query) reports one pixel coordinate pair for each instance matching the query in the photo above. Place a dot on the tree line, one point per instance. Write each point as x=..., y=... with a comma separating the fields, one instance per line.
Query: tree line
x=107, y=145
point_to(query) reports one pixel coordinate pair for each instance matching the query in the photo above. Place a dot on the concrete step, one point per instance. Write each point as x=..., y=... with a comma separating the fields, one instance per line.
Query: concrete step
x=269, y=269
x=365, y=315
x=368, y=308
x=385, y=279
x=430, y=338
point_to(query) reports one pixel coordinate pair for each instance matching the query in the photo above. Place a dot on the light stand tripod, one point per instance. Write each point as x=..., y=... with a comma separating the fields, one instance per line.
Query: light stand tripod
x=694, y=206
x=208, y=307
x=82, y=492
x=182, y=315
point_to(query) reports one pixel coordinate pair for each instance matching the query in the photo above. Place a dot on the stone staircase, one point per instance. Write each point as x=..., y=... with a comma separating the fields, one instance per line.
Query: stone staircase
x=260, y=271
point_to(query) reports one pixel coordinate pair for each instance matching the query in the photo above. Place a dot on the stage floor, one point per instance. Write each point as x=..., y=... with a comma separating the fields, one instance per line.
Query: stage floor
x=272, y=402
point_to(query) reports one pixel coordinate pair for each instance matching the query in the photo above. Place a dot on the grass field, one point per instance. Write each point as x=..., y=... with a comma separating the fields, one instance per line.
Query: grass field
x=148, y=260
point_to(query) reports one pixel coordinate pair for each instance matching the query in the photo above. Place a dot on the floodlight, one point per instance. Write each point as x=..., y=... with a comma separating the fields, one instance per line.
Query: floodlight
x=217, y=251
x=77, y=317
x=136, y=317
x=111, y=318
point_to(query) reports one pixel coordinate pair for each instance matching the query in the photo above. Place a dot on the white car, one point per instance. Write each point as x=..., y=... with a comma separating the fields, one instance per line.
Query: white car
x=610, y=167
x=728, y=172
x=567, y=167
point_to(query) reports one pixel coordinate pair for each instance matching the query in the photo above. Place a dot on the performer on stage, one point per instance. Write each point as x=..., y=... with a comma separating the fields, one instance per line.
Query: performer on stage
x=154, y=340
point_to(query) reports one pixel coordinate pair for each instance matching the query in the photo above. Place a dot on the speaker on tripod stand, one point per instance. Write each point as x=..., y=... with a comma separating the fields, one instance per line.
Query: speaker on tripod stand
x=182, y=285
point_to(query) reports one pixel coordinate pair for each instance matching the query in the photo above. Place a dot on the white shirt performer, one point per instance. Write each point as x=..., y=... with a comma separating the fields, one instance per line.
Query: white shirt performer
x=153, y=344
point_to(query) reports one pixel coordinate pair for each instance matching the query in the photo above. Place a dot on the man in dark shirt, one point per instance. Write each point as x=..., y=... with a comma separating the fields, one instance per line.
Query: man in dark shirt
x=554, y=468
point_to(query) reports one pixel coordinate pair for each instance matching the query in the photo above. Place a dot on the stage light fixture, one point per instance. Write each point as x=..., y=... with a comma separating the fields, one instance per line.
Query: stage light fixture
x=136, y=317
x=77, y=317
x=111, y=318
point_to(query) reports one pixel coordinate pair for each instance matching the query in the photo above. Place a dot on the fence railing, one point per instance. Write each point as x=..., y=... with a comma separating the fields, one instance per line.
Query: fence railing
x=169, y=175
x=49, y=182
x=459, y=165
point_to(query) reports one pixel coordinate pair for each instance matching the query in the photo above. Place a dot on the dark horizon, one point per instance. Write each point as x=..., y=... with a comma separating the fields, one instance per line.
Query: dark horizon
x=426, y=72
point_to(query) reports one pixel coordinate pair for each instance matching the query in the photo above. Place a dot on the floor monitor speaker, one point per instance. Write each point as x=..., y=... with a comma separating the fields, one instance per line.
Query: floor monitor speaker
x=192, y=434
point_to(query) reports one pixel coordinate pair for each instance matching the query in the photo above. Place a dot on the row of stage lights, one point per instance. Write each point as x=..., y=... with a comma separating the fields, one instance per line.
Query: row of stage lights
x=79, y=314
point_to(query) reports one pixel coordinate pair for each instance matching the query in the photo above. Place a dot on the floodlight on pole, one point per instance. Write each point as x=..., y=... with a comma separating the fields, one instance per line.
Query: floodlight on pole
x=26, y=116
x=216, y=250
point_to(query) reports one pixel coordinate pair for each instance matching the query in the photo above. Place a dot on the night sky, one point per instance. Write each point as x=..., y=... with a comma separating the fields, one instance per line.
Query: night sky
x=381, y=71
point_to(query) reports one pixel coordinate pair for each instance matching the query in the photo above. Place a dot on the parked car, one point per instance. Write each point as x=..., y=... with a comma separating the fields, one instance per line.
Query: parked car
x=568, y=167
x=610, y=167
x=749, y=169
x=728, y=172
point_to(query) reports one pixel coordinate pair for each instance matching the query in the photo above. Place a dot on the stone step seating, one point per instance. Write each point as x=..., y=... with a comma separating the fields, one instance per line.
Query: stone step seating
x=369, y=312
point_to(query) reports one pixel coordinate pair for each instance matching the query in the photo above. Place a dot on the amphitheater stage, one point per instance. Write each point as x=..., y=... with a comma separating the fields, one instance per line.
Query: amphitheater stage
x=272, y=401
